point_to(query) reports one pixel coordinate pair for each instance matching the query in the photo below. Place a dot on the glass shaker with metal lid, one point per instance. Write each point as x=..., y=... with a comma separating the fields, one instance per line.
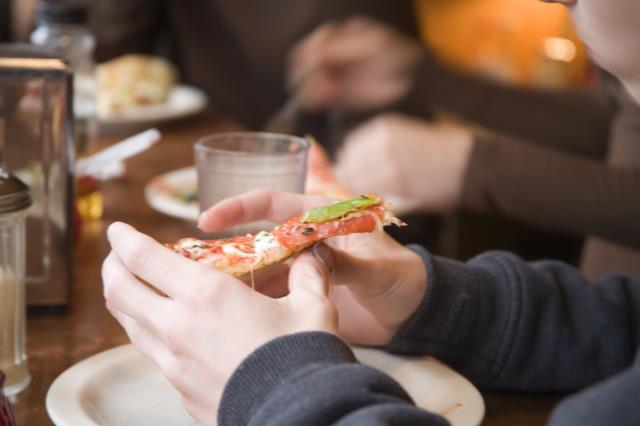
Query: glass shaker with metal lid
x=15, y=200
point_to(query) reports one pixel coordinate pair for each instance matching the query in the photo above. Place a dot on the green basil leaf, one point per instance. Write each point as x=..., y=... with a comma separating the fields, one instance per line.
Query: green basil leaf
x=339, y=209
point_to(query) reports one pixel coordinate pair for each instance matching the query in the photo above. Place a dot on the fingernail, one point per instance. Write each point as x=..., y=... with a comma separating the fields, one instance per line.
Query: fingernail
x=201, y=220
x=112, y=229
x=324, y=255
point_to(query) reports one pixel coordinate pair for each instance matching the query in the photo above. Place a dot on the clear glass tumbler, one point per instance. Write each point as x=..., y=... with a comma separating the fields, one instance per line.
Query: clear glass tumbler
x=233, y=163
x=14, y=202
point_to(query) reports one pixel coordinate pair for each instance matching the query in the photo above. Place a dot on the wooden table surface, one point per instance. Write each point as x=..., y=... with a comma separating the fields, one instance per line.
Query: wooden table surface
x=59, y=339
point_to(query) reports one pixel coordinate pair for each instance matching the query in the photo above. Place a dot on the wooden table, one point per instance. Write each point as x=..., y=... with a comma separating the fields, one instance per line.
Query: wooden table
x=57, y=340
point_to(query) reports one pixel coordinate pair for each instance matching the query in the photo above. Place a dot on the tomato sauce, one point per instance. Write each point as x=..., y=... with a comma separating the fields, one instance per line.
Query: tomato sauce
x=293, y=233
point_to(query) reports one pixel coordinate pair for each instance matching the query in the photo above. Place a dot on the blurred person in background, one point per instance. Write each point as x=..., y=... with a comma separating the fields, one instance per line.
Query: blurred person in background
x=236, y=51
x=567, y=160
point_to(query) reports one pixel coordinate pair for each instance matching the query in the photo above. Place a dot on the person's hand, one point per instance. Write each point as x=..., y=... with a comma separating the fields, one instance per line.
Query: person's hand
x=408, y=158
x=379, y=283
x=208, y=322
x=358, y=64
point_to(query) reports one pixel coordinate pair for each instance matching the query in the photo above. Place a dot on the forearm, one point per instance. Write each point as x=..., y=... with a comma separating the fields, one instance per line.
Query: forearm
x=508, y=324
x=312, y=378
x=575, y=120
x=613, y=402
x=555, y=190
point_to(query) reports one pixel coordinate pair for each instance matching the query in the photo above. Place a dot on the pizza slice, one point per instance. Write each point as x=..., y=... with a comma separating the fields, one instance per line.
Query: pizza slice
x=241, y=256
x=321, y=179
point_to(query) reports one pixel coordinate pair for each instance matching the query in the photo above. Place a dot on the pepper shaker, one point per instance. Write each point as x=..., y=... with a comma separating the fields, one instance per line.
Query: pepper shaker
x=15, y=200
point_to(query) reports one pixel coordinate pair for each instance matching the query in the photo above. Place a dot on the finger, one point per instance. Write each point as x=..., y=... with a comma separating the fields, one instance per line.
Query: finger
x=356, y=271
x=170, y=272
x=310, y=274
x=352, y=317
x=305, y=56
x=319, y=90
x=125, y=293
x=272, y=281
x=147, y=343
x=261, y=204
x=361, y=90
x=359, y=39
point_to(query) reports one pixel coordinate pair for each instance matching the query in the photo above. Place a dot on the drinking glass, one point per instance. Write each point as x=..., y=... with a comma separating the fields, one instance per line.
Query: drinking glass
x=233, y=163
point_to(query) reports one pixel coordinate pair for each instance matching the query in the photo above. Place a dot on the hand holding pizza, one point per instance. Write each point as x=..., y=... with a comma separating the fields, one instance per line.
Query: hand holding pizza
x=380, y=283
x=415, y=160
x=207, y=321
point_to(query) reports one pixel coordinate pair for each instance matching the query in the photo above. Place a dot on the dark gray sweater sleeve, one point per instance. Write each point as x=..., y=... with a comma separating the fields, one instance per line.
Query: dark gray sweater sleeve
x=612, y=402
x=508, y=324
x=504, y=323
x=536, y=326
x=312, y=378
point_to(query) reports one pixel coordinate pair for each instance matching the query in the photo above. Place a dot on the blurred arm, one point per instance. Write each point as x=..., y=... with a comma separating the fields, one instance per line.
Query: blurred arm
x=552, y=189
x=575, y=120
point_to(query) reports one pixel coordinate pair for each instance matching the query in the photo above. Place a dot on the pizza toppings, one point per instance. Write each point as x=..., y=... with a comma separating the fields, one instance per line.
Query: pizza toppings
x=340, y=208
x=265, y=242
x=242, y=255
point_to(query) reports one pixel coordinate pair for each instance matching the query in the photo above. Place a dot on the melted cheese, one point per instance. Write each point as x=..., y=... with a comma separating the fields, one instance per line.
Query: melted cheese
x=235, y=251
x=194, y=247
x=264, y=242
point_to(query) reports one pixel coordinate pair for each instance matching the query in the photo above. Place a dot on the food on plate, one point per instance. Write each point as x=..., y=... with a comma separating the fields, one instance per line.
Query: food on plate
x=320, y=177
x=131, y=81
x=241, y=256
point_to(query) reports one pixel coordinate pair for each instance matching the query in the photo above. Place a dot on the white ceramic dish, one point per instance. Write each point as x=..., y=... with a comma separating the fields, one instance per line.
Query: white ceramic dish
x=120, y=387
x=166, y=194
x=183, y=101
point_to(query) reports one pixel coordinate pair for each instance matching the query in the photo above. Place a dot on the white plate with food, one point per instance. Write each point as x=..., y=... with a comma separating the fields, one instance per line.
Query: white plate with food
x=140, y=89
x=120, y=387
x=175, y=194
x=182, y=101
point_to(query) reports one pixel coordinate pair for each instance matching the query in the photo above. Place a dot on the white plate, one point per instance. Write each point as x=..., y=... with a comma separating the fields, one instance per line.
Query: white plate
x=183, y=101
x=120, y=387
x=165, y=192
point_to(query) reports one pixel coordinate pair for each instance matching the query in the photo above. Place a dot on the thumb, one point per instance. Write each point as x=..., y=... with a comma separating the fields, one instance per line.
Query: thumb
x=311, y=273
x=361, y=273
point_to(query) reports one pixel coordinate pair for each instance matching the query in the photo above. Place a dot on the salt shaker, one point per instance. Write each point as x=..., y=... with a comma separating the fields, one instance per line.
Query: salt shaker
x=15, y=200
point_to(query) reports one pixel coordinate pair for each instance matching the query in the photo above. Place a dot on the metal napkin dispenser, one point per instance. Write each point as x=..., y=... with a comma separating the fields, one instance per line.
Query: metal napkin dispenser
x=36, y=143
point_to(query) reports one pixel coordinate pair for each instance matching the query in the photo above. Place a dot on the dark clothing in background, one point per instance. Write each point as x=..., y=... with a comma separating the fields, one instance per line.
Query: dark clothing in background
x=5, y=21
x=235, y=50
x=503, y=323
x=566, y=160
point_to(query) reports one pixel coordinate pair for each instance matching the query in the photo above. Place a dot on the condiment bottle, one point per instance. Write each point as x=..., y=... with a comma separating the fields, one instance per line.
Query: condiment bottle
x=62, y=25
x=15, y=200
